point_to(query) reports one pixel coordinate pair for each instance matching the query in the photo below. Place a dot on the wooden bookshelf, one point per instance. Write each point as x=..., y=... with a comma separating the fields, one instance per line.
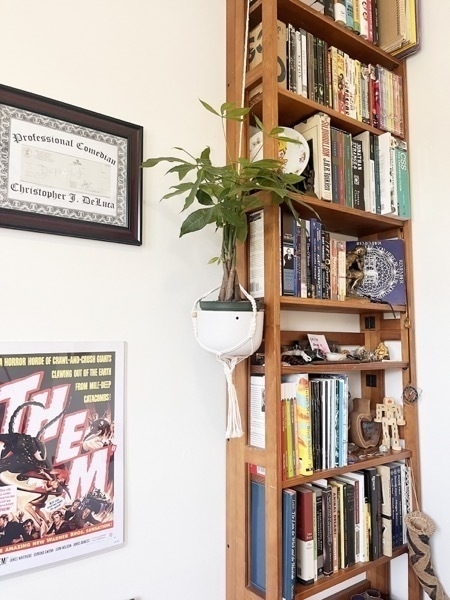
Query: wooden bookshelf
x=277, y=106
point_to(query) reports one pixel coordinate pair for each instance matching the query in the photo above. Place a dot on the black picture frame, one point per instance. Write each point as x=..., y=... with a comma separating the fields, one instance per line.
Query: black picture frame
x=68, y=171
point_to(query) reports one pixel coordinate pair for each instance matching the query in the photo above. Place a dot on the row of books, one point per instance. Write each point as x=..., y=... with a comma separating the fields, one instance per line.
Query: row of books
x=329, y=76
x=332, y=523
x=391, y=24
x=314, y=421
x=314, y=263
x=366, y=171
x=361, y=16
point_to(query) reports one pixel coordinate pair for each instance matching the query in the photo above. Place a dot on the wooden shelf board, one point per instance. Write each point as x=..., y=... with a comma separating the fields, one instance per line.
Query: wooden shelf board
x=356, y=466
x=343, y=366
x=305, y=591
x=335, y=306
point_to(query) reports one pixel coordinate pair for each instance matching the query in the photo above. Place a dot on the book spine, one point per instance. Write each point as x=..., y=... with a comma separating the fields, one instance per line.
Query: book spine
x=327, y=508
x=319, y=533
x=316, y=257
x=350, y=508
x=340, y=63
x=348, y=171
x=358, y=175
x=256, y=253
x=304, y=53
x=357, y=513
x=326, y=261
x=384, y=146
x=334, y=165
x=254, y=47
x=289, y=557
x=304, y=433
x=310, y=64
x=356, y=17
x=333, y=268
x=342, y=270
x=335, y=530
x=363, y=18
x=258, y=535
x=298, y=61
x=283, y=437
x=287, y=399
x=282, y=77
x=370, y=37
x=365, y=106
x=349, y=14
x=320, y=71
x=329, y=8
x=325, y=163
x=289, y=262
x=291, y=58
x=341, y=167
x=375, y=166
x=303, y=258
x=305, y=536
x=402, y=172
x=340, y=13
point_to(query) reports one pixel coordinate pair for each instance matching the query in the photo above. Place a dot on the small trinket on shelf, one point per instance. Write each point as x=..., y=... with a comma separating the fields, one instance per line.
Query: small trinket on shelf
x=390, y=415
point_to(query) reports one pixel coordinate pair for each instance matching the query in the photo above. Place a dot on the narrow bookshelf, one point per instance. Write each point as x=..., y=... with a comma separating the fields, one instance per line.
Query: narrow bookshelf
x=257, y=476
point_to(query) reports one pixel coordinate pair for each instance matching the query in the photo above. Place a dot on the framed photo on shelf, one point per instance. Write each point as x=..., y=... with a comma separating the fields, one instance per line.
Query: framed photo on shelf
x=67, y=170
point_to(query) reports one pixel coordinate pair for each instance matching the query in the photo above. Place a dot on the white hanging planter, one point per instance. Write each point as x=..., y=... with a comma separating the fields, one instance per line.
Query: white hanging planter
x=232, y=335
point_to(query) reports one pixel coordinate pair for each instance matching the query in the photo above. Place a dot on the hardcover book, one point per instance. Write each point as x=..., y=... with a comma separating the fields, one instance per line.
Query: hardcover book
x=306, y=572
x=303, y=414
x=316, y=131
x=258, y=535
x=384, y=270
x=289, y=554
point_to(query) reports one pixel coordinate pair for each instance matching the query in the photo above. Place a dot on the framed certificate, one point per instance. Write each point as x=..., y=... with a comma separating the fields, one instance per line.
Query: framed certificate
x=68, y=171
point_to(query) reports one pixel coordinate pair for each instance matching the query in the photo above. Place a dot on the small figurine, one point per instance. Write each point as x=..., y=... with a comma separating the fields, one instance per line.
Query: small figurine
x=355, y=269
x=381, y=352
x=390, y=415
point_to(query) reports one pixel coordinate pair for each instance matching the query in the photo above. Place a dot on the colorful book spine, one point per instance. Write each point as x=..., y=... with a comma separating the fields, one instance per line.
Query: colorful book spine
x=358, y=175
x=258, y=535
x=402, y=179
x=304, y=435
x=289, y=553
x=306, y=570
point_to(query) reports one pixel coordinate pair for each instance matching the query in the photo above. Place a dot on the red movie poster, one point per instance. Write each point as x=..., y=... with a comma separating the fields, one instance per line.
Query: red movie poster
x=61, y=451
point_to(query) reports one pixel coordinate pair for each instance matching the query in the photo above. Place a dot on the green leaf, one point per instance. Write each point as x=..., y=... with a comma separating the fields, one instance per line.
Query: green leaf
x=275, y=132
x=210, y=108
x=259, y=123
x=197, y=220
x=203, y=198
x=236, y=114
x=152, y=162
x=182, y=170
x=206, y=153
x=226, y=106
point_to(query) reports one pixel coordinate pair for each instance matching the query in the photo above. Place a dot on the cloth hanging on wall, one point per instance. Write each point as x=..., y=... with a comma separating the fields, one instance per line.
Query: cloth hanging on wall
x=419, y=530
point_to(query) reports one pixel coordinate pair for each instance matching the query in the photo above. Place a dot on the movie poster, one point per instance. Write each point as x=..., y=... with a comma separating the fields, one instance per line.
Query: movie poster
x=61, y=451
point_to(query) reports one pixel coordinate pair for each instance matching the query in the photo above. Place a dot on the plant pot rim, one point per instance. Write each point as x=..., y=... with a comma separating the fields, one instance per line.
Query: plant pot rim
x=240, y=305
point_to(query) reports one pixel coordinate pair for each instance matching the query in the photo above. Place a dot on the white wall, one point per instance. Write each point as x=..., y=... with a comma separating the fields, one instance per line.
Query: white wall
x=148, y=63
x=429, y=124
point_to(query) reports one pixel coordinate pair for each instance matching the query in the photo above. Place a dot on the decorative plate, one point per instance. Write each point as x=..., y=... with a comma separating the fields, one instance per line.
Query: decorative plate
x=294, y=155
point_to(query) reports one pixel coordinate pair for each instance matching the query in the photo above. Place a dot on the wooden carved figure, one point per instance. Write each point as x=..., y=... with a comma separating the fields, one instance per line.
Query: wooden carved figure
x=390, y=415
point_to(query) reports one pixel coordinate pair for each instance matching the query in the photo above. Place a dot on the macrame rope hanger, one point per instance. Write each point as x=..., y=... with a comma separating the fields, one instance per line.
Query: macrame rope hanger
x=229, y=358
